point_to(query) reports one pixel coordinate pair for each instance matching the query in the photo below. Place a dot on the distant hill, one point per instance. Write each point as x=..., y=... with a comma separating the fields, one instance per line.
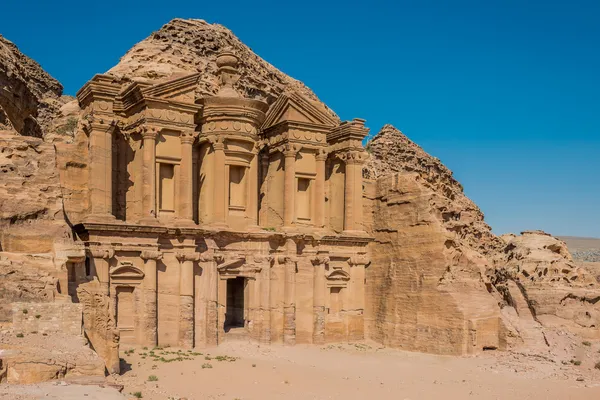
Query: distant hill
x=582, y=248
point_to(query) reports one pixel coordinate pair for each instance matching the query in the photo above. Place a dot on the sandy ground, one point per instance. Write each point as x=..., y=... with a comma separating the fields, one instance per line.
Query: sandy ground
x=353, y=372
x=58, y=391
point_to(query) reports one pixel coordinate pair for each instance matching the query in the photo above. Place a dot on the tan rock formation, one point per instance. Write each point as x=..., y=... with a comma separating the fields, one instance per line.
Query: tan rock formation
x=31, y=215
x=423, y=220
x=29, y=97
x=26, y=278
x=557, y=292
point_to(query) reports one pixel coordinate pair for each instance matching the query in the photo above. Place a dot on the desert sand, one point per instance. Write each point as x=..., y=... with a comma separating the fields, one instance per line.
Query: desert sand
x=353, y=371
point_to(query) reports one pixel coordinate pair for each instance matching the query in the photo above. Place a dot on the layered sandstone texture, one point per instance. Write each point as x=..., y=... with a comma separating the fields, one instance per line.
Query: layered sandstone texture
x=440, y=281
x=557, y=291
x=183, y=46
x=427, y=284
x=29, y=96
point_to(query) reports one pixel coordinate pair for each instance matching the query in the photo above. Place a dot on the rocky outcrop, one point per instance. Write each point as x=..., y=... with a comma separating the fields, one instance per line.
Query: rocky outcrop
x=185, y=46
x=29, y=96
x=557, y=292
x=432, y=243
x=392, y=152
x=26, y=278
x=426, y=291
x=31, y=210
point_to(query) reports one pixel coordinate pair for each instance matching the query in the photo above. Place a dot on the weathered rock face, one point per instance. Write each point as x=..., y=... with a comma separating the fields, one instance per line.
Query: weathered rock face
x=556, y=290
x=189, y=46
x=432, y=242
x=391, y=151
x=425, y=290
x=31, y=211
x=29, y=97
x=26, y=278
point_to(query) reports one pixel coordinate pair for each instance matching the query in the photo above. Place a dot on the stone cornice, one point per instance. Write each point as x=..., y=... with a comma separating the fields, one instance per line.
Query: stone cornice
x=207, y=232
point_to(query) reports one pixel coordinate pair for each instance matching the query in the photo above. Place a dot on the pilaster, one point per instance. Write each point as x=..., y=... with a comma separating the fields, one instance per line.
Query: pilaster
x=320, y=159
x=289, y=299
x=100, y=266
x=149, y=135
x=150, y=295
x=319, y=284
x=289, y=189
x=186, y=212
x=186, y=298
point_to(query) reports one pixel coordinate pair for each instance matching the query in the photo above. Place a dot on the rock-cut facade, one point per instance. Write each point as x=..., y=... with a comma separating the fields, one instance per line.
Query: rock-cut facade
x=205, y=217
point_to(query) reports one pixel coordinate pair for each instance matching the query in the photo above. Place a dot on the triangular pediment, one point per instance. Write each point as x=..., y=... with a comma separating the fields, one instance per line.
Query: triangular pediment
x=293, y=107
x=179, y=89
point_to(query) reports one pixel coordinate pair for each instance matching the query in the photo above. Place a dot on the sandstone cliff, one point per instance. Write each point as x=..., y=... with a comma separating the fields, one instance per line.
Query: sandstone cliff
x=436, y=262
x=29, y=96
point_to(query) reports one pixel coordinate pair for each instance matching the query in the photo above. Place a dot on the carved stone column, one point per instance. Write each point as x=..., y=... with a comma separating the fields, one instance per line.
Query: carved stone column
x=211, y=282
x=100, y=178
x=319, y=263
x=150, y=294
x=264, y=170
x=186, y=298
x=186, y=212
x=320, y=189
x=353, y=190
x=149, y=135
x=289, y=300
x=357, y=296
x=100, y=266
x=265, y=301
x=252, y=211
x=349, y=197
x=289, y=187
x=219, y=202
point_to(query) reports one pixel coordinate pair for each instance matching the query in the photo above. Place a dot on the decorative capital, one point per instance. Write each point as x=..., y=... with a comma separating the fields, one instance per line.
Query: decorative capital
x=286, y=259
x=151, y=255
x=100, y=252
x=321, y=155
x=289, y=150
x=354, y=156
x=318, y=260
x=188, y=136
x=187, y=256
x=359, y=260
x=150, y=132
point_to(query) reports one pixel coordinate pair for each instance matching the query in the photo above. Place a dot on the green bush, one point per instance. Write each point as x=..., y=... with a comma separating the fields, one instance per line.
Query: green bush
x=137, y=395
x=152, y=378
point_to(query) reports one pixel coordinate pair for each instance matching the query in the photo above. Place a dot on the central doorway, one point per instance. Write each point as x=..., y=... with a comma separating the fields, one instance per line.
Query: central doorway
x=235, y=316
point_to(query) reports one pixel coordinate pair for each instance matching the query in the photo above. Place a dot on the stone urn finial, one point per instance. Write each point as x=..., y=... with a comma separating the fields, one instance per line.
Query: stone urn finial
x=228, y=73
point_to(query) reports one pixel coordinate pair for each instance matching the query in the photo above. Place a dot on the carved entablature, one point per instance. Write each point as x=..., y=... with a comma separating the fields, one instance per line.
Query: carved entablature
x=97, y=96
x=292, y=119
x=348, y=136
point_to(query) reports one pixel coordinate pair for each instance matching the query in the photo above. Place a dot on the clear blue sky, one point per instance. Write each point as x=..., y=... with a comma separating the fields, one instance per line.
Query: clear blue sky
x=505, y=93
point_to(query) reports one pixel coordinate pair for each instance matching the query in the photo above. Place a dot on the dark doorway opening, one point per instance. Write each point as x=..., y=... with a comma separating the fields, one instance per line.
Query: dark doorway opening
x=234, y=316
